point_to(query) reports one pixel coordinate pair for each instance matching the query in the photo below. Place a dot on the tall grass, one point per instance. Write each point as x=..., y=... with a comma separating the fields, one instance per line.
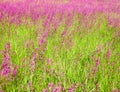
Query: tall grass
x=59, y=51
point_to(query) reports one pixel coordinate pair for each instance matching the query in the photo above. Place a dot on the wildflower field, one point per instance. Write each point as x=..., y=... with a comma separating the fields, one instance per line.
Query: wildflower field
x=59, y=45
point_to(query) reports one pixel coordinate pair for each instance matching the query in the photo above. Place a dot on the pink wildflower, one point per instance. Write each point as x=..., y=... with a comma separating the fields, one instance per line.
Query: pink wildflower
x=108, y=53
x=30, y=83
x=8, y=45
x=63, y=33
x=4, y=64
x=50, y=84
x=32, y=65
x=70, y=90
x=14, y=72
x=1, y=91
x=6, y=71
x=32, y=62
x=41, y=41
x=34, y=55
x=95, y=69
x=45, y=34
x=49, y=60
x=33, y=58
x=97, y=61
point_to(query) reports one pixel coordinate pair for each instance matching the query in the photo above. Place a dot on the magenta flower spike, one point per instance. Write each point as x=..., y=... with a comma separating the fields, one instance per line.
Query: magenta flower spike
x=108, y=52
x=64, y=33
x=98, y=61
x=6, y=71
x=40, y=41
x=14, y=72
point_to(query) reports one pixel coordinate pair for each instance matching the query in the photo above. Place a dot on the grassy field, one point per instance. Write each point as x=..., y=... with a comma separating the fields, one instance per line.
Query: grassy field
x=69, y=53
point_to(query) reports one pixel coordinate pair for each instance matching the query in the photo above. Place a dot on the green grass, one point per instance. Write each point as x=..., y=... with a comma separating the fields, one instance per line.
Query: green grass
x=72, y=62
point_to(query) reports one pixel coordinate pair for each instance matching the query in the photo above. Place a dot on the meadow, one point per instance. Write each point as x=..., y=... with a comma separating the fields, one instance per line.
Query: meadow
x=59, y=46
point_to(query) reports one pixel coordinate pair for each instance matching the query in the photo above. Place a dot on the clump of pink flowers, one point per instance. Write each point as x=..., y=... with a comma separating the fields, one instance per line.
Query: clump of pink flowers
x=53, y=88
x=7, y=67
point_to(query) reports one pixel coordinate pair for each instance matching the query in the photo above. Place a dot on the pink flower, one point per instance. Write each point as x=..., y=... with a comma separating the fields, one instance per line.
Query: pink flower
x=54, y=90
x=41, y=41
x=73, y=87
x=108, y=53
x=50, y=84
x=30, y=83
x=4, y=64
x=32, y=65
x=95, y=69
x=63, y=33
x=33, y=58
x=49, y=60
x=6, y=57
x=97, y=64
x=1, y=91
x=8, y=45
x=34, y=55
x=14, y=72
x=45, y=23
x=98, y=61
x=45, y=34
x=59, y=88
x=6, y=71
x=70, y=90
x=32, y=62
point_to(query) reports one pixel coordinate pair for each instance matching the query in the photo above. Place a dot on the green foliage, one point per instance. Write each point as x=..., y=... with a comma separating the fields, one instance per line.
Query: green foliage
x=72, y=57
